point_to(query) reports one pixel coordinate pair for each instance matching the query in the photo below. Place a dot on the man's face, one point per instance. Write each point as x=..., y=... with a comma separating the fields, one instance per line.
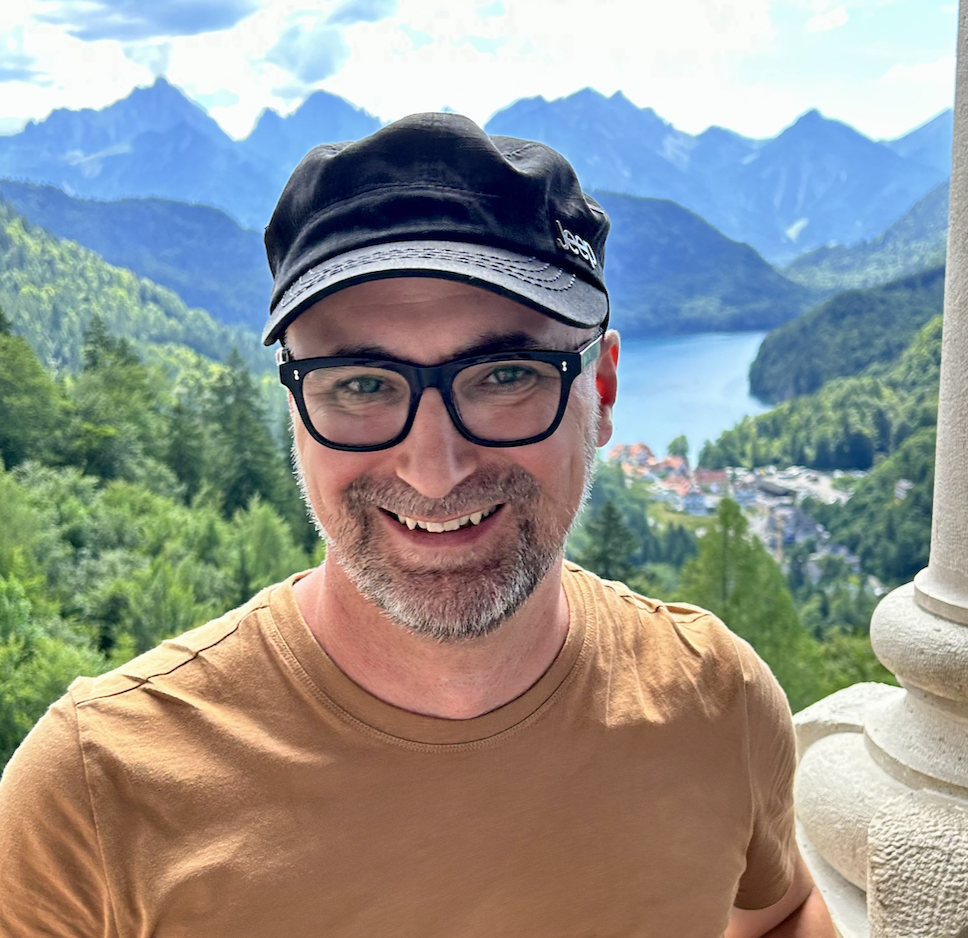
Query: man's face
x=514, y=504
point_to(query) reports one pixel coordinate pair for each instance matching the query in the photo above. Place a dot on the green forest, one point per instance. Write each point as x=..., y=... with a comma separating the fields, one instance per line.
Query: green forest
x=844, y=335
x=51, y=288
x=134, y=505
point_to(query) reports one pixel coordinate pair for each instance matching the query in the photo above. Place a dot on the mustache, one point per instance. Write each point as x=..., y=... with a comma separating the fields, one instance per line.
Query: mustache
x=486, y=486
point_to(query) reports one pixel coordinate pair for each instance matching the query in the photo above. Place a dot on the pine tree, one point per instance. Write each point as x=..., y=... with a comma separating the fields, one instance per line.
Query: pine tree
x=186, y=451
x=679, y=447
x=30, y=403
x=246, y=459
x=735, y=577
x=610, y=544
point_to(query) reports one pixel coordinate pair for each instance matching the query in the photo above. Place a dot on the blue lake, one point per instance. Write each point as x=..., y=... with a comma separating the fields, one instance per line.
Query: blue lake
x=694, y=384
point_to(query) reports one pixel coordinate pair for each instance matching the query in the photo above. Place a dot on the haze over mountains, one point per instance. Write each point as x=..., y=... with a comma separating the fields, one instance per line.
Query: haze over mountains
x=817, y=182
x=687, y=210
x=669, y=270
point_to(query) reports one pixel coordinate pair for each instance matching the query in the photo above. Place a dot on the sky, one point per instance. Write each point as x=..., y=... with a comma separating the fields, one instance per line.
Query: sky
x=883, y=66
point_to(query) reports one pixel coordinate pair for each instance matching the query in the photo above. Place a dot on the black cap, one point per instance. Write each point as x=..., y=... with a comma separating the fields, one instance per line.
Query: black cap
x=433, y=195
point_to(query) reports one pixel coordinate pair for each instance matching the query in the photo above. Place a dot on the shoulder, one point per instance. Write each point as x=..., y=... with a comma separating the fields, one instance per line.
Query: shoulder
x=177, y=661
x=190, y=692
x=679, y=628
x=682, y=655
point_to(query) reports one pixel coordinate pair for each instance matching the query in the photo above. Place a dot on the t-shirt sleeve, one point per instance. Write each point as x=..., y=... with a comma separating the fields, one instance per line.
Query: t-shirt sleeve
x=772, y=851
x=51, y=876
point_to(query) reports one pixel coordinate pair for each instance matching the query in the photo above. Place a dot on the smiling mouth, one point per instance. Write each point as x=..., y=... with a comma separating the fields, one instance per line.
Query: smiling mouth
x=440, y=527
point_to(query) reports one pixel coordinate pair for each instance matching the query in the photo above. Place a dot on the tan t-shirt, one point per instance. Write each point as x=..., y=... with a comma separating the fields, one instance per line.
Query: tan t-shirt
x=233, y=783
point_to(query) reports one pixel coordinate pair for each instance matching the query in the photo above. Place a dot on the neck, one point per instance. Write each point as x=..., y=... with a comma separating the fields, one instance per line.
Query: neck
x=454, y=681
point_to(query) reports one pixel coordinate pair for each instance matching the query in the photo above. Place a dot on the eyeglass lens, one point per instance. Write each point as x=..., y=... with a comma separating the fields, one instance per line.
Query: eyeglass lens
x=496, y=401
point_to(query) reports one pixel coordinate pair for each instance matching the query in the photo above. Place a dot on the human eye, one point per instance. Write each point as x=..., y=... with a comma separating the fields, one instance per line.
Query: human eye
x=344, y=388
x=363, y=386
x=509, y=374
x=509, y=381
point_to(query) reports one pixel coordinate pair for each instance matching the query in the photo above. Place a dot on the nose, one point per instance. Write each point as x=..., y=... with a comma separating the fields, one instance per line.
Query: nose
x=434, y=457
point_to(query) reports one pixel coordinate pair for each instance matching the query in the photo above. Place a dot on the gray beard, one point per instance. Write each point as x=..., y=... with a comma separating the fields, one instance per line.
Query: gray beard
x=458, y=603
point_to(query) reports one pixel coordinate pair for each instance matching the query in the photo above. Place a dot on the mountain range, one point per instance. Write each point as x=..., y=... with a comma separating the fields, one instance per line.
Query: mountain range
x=816, y=183
x=669, y=271
x=915, y=242
x=197, y=251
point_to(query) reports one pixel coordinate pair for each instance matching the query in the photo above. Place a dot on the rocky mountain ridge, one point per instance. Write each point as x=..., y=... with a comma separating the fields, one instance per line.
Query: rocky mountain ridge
x=817, y=182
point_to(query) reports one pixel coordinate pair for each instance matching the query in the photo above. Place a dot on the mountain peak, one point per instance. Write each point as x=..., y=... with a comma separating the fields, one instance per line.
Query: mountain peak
x=161, y=93
x=813, y=116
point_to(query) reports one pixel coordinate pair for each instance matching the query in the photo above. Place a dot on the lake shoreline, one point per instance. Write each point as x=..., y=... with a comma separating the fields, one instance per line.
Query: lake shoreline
x=696, y=384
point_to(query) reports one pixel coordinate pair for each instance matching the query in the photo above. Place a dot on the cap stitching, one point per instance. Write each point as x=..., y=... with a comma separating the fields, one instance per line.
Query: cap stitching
x=316, y=274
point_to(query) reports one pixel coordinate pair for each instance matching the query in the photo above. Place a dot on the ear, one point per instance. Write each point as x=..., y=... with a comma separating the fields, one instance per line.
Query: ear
x=606, y=382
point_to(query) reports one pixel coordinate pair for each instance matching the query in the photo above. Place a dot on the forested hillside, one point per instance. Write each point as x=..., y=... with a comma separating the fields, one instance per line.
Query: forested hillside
x=883, y=420
x=844, y=335
x=132, y=507
x=915, y=242
x=887, y=522
x=849, y=422
x=194, y=250
x=52, y=289
x=669, y=272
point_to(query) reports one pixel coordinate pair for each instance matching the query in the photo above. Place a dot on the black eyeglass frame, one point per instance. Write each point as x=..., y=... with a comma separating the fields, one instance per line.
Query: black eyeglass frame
x=441, y=377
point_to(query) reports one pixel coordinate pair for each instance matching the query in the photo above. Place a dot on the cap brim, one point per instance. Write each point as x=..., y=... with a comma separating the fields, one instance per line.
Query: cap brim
x=537, y=283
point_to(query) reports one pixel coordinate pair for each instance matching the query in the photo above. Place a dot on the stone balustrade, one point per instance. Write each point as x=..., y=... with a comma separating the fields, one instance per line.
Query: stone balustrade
x=882, y=783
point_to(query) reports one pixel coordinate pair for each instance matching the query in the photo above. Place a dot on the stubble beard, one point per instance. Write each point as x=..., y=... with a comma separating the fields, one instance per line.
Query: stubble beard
x=449, y=603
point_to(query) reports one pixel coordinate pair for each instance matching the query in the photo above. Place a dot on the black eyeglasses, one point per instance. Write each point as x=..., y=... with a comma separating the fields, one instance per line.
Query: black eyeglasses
x=367, y=404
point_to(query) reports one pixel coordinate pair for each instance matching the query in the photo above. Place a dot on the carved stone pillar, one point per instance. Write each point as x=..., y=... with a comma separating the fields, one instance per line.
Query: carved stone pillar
x=882, y=786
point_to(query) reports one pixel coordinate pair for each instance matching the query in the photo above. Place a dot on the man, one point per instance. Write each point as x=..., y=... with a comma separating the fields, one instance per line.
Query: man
x=444, y=730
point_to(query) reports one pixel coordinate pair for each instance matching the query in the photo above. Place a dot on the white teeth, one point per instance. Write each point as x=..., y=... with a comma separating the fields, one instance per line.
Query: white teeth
x=438, y=527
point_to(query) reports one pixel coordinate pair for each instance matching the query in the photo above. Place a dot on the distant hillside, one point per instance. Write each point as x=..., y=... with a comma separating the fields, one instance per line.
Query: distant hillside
x=930, y=144
x=915, y=242
x=51, y=289
x=850, y=423
x=844, y=335
x=668, y=271
x=153, y=143
x=197, y=251
x=818, y=181
x=671, y=272
x=891, y=535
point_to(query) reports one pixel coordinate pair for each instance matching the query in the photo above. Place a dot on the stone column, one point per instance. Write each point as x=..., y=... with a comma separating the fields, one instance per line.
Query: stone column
x=882, y=786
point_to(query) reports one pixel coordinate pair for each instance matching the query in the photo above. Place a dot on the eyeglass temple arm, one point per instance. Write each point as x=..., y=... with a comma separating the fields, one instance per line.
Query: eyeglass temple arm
x=590, y=352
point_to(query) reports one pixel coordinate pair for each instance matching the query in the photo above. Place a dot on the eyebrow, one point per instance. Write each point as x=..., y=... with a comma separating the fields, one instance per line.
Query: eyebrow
x=488, y=343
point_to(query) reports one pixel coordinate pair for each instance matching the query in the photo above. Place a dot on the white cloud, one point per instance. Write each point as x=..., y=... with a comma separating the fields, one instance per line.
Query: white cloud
x=136, y=19
x=939, y=74
x=310, y=51
x=831, y=19
x=480, y=58
x=154, y=56
x=695, y=61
